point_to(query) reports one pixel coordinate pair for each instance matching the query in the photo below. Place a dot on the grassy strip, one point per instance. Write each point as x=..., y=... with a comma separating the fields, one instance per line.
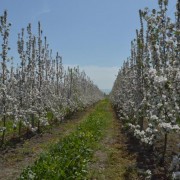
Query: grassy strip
x=68, y=158
x=111, y=160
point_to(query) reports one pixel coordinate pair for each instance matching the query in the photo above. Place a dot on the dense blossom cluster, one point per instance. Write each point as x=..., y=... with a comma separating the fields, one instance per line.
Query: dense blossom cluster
x=146, y=92
x=39, y=88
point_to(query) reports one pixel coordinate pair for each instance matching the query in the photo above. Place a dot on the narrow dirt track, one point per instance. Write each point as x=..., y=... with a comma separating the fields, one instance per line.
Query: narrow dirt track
x=112, y=161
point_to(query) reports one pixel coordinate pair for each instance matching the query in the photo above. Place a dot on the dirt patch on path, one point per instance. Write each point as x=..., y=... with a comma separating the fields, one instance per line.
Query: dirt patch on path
x=14, y=159
x=112, y=161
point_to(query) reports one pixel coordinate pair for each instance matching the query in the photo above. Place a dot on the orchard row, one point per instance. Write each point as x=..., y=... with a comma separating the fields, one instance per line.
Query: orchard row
x=146, y=93
x=39, y=89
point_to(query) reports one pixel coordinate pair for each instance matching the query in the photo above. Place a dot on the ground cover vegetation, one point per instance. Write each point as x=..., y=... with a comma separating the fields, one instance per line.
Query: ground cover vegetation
x=68, y=159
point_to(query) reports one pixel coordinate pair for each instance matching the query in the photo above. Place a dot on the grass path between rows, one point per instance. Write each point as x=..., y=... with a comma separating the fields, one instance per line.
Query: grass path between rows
x=112, y=160
x=15, y=158
x=96, y=149
x=68, y=159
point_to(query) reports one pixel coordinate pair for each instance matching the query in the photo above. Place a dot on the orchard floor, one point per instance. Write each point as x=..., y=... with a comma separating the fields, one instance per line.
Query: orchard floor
x=14, y=159
x=111, y=159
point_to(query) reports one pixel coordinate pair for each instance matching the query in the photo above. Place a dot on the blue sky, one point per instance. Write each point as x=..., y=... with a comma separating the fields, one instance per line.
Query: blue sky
x=94, y=34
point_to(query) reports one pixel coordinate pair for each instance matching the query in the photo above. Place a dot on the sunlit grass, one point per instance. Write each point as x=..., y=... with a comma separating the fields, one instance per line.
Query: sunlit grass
x=68, y=158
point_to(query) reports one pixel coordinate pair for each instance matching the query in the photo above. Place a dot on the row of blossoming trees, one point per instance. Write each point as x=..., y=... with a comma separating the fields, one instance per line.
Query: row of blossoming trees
x=39, y=89
x=146, y=92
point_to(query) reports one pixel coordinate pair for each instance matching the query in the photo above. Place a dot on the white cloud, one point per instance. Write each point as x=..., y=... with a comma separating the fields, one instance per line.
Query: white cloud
x=43, y=9
x=104, y=77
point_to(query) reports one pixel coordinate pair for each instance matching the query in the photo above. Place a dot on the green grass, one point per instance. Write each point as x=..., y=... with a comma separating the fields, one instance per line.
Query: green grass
x=178, y=120
x=11, y=132
x=68, y=158
x=9, y=125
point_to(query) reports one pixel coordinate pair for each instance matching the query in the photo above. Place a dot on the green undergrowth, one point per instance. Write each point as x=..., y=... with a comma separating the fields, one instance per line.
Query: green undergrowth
x=68, y=158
